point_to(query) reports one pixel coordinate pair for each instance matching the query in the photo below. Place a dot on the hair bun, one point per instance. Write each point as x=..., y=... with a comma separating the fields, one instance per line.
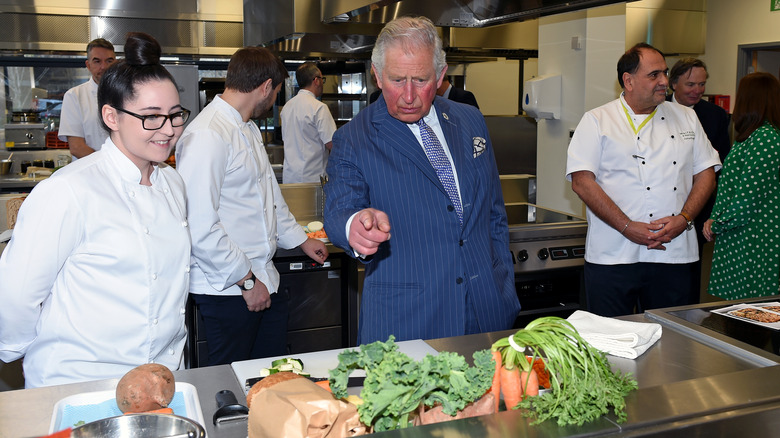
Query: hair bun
x=142, y=49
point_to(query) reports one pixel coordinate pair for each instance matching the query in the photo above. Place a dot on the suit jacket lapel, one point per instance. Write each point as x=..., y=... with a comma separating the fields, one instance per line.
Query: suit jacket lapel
x=397, y=135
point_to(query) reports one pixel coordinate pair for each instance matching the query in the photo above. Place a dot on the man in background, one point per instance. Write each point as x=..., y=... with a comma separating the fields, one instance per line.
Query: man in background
x=688, y=80
x=447, y=91
x=307, y=129
x=644, y=168
x=425, y=167
x=79, y=123
x=237, y=216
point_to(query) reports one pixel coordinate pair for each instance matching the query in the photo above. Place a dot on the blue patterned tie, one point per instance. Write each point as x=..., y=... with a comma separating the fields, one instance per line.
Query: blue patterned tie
x=441, y=164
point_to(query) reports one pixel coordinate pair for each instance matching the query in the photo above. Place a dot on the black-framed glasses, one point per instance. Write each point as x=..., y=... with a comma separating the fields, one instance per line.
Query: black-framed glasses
x=323, y=78
x=153, y=122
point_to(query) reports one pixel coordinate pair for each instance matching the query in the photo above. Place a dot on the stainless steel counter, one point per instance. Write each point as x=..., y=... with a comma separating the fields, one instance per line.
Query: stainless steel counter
x=683, y=383
x=28, y=412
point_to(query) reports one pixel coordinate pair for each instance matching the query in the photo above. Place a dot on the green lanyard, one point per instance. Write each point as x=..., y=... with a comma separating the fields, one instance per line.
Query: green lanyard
x=631, y=122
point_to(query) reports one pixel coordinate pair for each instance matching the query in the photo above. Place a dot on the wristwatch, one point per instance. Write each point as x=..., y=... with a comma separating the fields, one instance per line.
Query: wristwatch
x=249, y=283
x=687, y=219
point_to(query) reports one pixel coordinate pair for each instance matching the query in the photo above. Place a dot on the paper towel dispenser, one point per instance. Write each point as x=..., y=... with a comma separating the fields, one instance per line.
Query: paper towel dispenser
x=542, y=97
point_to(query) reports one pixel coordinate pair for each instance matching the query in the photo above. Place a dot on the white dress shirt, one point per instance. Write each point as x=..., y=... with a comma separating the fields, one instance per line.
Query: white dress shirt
x=236, y=211
x=307, y=126
x=79, y=116
x=95, y=278
x=648, y=174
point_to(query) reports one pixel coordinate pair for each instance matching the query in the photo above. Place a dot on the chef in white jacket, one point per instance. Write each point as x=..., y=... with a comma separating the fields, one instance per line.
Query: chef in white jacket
x=94, y=281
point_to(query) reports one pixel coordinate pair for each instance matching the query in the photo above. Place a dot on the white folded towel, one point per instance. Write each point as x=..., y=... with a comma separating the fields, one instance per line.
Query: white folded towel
x=627, y=339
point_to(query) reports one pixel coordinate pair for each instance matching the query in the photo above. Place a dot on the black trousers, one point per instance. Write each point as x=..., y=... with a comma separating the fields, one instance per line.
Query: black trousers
x=614, y=290
x=233, y=333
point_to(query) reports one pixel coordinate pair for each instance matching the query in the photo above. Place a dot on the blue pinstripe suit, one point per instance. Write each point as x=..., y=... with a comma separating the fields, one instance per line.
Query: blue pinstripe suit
x=418, y=283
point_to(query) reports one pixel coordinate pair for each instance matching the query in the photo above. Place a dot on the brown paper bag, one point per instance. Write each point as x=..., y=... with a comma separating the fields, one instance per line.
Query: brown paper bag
x=300, y=408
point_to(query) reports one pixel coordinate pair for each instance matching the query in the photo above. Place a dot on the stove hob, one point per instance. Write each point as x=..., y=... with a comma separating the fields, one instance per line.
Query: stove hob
x=542, y=239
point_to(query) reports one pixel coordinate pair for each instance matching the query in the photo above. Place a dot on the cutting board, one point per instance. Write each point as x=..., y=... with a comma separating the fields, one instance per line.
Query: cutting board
x=319, y=363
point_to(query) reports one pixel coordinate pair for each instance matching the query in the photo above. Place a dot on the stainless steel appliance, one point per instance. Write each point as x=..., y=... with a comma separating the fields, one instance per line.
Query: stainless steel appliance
x=25, y=136
x=548, y=252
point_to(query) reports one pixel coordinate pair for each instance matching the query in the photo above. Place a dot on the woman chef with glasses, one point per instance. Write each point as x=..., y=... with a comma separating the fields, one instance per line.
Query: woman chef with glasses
x=95, y=278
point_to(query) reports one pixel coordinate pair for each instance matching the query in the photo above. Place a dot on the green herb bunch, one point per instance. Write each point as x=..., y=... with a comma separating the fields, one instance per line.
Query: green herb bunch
x=396, y=384
x=583, y=386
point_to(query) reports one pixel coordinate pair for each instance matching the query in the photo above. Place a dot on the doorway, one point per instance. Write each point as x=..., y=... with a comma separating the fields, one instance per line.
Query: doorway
x=758, y=57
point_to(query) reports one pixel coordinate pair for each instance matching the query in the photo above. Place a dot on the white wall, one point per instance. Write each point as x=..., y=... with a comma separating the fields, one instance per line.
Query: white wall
x=729, y=24
x=589, y=79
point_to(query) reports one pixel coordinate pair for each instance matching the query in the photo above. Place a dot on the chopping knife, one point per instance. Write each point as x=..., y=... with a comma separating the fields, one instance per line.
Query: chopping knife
x=351, y=383
x=228, y=408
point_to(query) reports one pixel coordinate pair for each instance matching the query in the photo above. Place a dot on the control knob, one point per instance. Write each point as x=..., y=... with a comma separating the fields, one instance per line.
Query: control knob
x=543, y=254
x=522, y=255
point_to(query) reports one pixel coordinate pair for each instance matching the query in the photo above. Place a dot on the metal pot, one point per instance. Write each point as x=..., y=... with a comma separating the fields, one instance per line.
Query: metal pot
x=24, y=117
x=5, y=167
x=141, y=426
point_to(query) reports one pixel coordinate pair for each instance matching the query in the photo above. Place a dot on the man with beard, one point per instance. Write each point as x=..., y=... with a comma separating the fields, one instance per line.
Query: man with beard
x=644, y=168
x=237, y=216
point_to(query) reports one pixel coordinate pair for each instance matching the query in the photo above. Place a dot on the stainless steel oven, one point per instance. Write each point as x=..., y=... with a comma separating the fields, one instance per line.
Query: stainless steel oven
x=548, y=252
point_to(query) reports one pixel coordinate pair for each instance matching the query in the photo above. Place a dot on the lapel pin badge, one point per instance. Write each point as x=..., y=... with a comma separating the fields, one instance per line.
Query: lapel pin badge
x=446, y=117
x=479, y=146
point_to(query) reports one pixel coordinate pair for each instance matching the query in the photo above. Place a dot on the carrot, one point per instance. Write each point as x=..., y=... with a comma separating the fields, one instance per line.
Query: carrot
x=324, y=384
x=541, y=371
x=511, y=386
x=529, y=382
x=496, y=387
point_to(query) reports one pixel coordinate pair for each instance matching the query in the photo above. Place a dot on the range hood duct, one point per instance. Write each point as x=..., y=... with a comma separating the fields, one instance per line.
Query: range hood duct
x=451, y=13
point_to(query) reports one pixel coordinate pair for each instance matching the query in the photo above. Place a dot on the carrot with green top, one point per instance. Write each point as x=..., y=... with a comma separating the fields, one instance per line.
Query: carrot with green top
x=496, y=387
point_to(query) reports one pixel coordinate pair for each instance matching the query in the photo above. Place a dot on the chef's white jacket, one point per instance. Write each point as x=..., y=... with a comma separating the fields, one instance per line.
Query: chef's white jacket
x=307, y=126
x=79, y=116
x=237, y=214
x=94, y=281
x=648, y=175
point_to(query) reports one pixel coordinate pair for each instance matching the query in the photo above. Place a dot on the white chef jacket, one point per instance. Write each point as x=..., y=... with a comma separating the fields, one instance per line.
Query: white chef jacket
x=648, y=175
x=307, y=126
x=79, y=116
x=236, y=211
x=94, y=285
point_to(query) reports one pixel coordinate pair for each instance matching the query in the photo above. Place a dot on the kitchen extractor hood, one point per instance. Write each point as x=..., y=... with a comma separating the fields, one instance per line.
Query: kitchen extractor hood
x=450, y=13
x=295, y=26
x=312, y=27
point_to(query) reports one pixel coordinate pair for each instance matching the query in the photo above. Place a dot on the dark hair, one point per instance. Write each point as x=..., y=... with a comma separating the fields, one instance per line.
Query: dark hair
x=306, y=73
x=629, y=62
x=99, y=42
x=758, y=101
x=250, y=67
x=682, y=67
x=140, y=65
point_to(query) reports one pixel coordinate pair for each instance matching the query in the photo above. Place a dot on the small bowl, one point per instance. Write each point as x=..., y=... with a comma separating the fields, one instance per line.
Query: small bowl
x=141, y=426
x=5, y=167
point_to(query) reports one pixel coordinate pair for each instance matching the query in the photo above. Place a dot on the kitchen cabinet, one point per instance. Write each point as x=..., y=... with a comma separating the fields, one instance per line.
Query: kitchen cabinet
x=321, y=314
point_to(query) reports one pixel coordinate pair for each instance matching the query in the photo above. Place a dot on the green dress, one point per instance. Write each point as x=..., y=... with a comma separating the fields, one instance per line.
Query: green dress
x=746, y=215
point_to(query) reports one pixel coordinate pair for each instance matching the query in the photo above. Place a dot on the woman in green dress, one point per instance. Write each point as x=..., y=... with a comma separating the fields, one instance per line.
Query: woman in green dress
x=746, y=215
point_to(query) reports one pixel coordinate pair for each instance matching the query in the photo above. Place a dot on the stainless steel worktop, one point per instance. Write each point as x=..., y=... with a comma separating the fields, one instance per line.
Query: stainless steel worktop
x=679, y=378
x=27, y=412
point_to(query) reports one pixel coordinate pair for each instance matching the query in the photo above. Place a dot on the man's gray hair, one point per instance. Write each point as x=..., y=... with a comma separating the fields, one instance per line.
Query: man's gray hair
x=410, y=34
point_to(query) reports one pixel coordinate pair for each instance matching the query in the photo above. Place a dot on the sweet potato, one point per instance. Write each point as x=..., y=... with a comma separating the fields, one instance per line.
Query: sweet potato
x=145, y=388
